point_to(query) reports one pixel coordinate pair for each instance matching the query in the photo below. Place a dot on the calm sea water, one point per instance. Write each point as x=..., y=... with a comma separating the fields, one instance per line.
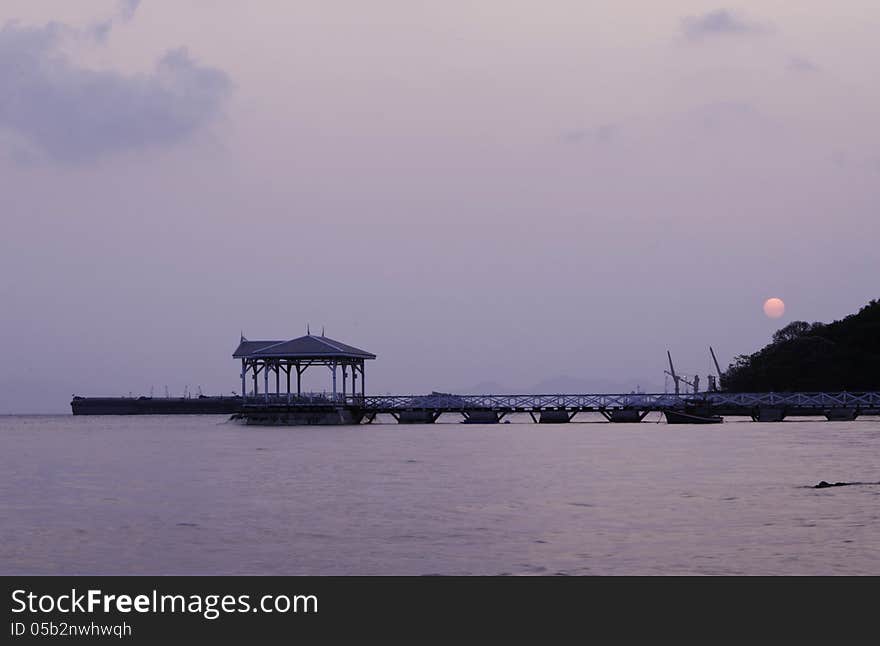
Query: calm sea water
x=200, y=495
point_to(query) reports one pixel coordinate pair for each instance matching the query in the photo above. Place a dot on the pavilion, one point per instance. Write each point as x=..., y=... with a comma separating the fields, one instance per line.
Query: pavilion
x=298, y=355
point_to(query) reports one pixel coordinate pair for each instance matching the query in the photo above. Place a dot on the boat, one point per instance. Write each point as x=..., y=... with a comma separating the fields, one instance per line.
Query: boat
x=201, y=405
x=681, y=417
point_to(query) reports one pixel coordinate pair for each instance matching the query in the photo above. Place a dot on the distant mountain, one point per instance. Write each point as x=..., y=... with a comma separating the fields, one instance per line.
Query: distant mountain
x=843, y=355
x=485, y=388
x=562, y=384
x=566, y=384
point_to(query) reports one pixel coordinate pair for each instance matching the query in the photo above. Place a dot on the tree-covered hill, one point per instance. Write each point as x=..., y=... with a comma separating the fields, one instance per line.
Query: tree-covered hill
x=843, y=355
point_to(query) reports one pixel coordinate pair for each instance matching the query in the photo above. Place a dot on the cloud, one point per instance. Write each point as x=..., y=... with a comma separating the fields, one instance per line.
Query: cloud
x=732, y=117
x=73, y=113
x=849, y=162
x=128, y=8
x=604, y=134
x=100, y=30
x=798, y=64
x=721, y=22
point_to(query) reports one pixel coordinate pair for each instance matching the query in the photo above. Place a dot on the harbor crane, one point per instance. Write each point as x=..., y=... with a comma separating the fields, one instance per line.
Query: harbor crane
x=671, y=373
x=678, y=379
x=717, y=368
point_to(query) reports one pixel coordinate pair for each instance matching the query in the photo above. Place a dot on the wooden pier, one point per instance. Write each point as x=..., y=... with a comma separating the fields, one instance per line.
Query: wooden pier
x=268, y=364
x=555, y=409
x=286, y=406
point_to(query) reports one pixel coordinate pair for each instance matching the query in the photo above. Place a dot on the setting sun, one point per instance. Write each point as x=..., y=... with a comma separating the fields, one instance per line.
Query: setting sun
x=774, y=307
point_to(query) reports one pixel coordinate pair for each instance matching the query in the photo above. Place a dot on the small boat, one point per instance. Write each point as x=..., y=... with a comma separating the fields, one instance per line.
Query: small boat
x=680, y=417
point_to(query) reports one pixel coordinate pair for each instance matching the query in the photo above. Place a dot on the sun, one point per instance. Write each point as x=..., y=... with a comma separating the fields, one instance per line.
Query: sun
x=774, y=307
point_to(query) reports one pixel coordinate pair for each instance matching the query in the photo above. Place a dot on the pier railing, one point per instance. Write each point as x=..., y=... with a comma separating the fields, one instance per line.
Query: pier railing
x=817, y=401
x=304, y=399
x=524, y=402
x=640, y=401
x=801, y=400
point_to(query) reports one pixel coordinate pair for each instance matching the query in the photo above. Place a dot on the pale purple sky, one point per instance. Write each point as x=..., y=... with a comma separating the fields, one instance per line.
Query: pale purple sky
x=496, y=191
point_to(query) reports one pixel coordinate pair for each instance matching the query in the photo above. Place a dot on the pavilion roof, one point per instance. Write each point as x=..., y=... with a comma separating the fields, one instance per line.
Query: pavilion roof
x=310, y=346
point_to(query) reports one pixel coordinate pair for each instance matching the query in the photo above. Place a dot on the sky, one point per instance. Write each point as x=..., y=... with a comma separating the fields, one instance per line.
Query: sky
x=499, y=194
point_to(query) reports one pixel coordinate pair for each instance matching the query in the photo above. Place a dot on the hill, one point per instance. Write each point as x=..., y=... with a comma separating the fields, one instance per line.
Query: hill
x=843, y=355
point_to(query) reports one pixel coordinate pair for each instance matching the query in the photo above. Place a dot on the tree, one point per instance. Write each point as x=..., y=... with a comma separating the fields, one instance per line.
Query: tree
x=793, y=330
x=842, y=355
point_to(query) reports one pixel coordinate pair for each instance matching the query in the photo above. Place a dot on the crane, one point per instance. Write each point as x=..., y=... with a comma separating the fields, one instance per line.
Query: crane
x=671, y=372
x=695, y=384
x=717, y=369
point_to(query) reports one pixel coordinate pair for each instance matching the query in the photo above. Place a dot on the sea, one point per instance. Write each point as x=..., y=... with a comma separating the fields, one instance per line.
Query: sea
x=203, y=495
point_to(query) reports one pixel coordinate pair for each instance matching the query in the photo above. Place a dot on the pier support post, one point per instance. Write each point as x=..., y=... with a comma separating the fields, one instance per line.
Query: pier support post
x=624, y=415
x=841, y=414
x=554, y=417
x=481, y=417
x=416, y=416
x=768, y=415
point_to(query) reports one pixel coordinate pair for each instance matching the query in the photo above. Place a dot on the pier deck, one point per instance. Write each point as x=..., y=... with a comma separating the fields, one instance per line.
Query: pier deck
x=630, y=407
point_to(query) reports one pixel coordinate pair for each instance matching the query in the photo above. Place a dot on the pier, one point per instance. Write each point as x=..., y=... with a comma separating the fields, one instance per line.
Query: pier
x=275, y=398
x=267, y=361
x=555, y=409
